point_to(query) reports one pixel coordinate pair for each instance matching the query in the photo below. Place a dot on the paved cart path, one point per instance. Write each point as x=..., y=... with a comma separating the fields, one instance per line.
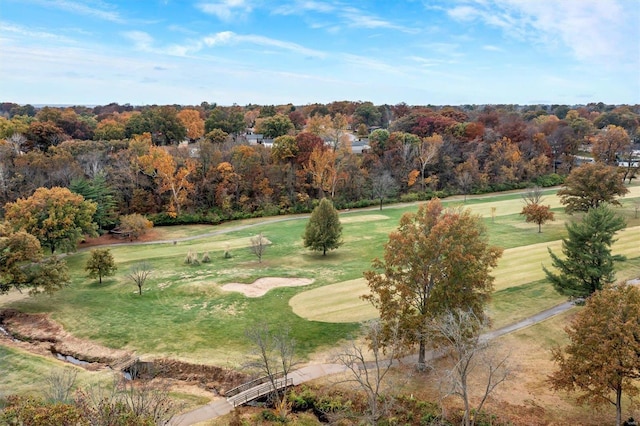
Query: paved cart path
x=220, y=407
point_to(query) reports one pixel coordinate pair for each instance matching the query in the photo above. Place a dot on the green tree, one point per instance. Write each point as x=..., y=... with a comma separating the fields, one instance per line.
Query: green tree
x=589, y=186
x=323, y=231
x=22, y=265
x=436, y=261
x=101, y=264
x=57, y=217
x=588, y=263
x=272, y=127
x=601, y=360
x=98, y=191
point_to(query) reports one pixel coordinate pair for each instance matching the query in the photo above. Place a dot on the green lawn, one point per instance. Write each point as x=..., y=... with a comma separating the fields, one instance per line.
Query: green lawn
x=184, y=313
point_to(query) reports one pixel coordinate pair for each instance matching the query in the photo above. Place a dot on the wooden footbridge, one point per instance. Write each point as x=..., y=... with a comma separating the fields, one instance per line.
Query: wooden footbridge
x=256, y=389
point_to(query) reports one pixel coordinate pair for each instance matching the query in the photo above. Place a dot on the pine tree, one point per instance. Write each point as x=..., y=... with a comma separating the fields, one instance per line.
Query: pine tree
x=323, y=231
x=588, y=263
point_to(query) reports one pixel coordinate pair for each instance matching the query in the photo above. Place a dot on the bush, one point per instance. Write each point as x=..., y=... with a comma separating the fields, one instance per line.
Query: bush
x=206, y=257
x=192, y=259
x=553, y=179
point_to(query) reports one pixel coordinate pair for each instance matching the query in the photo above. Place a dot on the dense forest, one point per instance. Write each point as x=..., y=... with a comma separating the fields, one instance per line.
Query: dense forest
x=209, y=163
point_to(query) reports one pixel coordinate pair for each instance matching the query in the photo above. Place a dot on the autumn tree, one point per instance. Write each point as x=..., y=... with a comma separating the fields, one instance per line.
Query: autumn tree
x=587, y=264
x=601, y=360
x=590, y=185
x=192, y=122
x=538, y=214
x=23, y=266
x=101, y=264
x=436, y=261
x=427, y=152
x=109, y=129
x=57, y=217
x=321, y=166
x=323, y=231
x=170, y=177
x=134, y=225
x=533, y=211
x=609, y=143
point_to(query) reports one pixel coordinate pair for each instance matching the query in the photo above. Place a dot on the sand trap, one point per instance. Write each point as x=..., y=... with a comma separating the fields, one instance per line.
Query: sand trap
x=261, y=286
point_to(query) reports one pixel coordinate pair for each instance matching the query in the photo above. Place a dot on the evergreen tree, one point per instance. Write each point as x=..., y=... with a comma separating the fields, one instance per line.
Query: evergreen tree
x=588, y=263
x=98, y=191
x=323, y=231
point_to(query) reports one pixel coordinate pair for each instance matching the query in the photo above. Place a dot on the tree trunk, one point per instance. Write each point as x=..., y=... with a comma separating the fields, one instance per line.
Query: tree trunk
x=381, y=203
x=324, y=250
x=539, y=228
x=421, y=353
x=619, y=405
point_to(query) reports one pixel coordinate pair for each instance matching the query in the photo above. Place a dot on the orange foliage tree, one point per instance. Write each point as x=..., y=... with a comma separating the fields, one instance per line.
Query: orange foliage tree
x=191, y=120
x=161, y=165
x=57, y=217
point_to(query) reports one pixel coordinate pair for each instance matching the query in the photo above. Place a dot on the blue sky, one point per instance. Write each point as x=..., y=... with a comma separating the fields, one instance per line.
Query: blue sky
x=273, y=52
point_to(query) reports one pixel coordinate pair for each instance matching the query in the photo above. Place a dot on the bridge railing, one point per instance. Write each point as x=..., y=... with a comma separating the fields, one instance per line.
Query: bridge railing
x=258, y=391
x=248, y=385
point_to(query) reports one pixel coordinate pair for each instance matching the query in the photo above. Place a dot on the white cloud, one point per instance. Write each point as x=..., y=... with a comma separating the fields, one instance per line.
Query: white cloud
x=82, y=8
x=297, y=7
x=140, y=39
x=492, y=48
x=31, y=33
x=593, y=30
x=229, y=37
x=226, y=10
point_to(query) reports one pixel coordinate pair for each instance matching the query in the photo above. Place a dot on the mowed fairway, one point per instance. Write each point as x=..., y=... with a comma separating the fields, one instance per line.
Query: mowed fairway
x=184, y=313
x=520, y=285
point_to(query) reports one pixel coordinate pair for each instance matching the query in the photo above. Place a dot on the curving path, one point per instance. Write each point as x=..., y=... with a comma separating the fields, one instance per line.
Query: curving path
x=221, y=407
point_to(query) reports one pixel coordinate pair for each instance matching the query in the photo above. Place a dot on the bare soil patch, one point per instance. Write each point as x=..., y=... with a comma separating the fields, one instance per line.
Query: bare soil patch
x=109, y=239
x=261, y=286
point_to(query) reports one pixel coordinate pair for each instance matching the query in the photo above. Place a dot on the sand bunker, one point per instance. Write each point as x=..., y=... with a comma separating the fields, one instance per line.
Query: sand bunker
x=261, y=286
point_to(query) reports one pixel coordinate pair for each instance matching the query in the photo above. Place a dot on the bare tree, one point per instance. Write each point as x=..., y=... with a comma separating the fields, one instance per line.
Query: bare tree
x=465, y=181
x=17, y=142
x=458, y=333
x=532, y=196
x=139, y=274
x=259, y=246
x=275, y=358
x=369, y=375
x=383, y=185
x=143, y=402
x=60, y=383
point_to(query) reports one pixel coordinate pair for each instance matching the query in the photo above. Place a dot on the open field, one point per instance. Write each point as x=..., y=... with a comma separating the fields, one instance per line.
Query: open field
x=184, y=312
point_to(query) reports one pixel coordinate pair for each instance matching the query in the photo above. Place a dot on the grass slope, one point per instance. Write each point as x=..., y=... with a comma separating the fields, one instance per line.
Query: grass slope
x=183, y=312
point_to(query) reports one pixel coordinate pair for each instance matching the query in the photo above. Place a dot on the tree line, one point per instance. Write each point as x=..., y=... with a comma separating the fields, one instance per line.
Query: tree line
x=198, y=163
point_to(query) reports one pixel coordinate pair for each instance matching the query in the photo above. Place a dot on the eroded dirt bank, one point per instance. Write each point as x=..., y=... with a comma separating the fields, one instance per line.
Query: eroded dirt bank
x=39, y=334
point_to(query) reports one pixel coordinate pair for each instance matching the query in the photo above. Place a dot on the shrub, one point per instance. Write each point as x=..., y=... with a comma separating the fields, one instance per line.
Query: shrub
x=206, y=257
x=191, y=259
